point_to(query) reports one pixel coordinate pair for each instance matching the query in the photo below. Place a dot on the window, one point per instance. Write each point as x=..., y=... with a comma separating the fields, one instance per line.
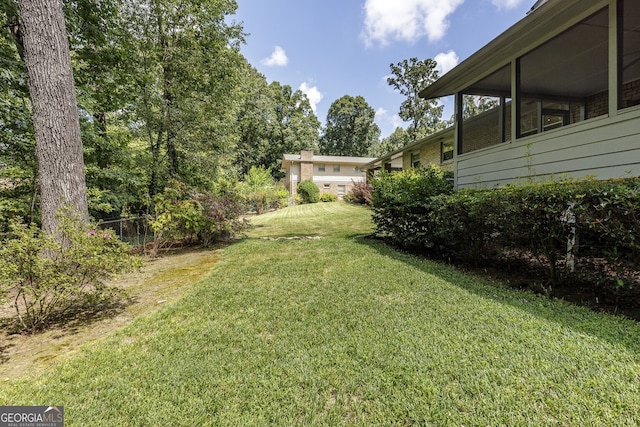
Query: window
x=629, y=38
x=336, y=168
x=341, y=190
x=321, y=167
x=484, y=110
x=565, y=80
x=446, y=149
x=327, y=186
x=415, y=160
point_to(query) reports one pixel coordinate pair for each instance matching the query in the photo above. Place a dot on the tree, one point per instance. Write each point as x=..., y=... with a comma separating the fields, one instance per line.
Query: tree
x=409, y=77
x=18, y=166
x=55, y=114
x=188, y=67
x=474, y=105
x=398, y=139
x=295, y=125
x=350, y=128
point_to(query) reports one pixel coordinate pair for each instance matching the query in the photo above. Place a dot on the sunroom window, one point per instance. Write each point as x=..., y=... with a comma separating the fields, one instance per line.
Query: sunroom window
x=629, y=37
x=565, y=80
x=485, y=112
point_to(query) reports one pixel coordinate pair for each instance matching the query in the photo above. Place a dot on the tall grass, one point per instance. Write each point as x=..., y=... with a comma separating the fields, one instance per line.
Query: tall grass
x=344, y=331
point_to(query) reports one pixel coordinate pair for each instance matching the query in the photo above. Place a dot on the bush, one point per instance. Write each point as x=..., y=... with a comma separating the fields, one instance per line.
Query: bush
x=565, y=226
x=183, y=215
x=309, y=192
x=401, y=205
x=260, y=191
x=328, y=197
x=360, y=193
x=50, y=278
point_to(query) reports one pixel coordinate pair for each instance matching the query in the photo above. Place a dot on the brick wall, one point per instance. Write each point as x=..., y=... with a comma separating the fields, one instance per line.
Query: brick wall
x=631, y=94
x=480, y=131
x=598, y=104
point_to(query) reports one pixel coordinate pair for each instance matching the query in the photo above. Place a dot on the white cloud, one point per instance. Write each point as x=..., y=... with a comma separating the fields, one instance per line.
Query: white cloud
x=506, y=4
x=388, y=122
x=277, y=59
x=446, y=61
x=406, y=20
x=312, y=92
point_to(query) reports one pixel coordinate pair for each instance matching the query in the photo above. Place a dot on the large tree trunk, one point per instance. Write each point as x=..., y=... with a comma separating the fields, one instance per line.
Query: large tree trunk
x=55, y=113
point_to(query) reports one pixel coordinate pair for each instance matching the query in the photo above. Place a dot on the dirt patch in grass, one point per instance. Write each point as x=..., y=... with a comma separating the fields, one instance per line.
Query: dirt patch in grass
x=160, y=281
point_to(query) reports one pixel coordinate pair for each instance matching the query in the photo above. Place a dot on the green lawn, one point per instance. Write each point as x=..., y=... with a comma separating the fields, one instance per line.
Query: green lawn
x=341, y=330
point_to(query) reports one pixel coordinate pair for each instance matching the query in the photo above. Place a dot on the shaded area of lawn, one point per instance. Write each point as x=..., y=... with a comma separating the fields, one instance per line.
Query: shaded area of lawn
x=345, y=331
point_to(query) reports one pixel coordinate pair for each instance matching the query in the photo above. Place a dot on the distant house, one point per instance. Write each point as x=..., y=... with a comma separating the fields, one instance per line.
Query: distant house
x=332, y=174
x=435, y=149
x=566, y=82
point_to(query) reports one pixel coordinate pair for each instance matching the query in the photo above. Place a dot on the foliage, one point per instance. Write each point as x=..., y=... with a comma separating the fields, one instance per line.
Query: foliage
x=328, y=197
x=569, y=227
x=351, y=129
x=472, y=105
x=272, y=120
x=401, y=204
x=345, y=331
x=191, y=216
x=409, y=77
x=18, y=166
x=361, y=193
x=308, y=191
x=260, y=191
x=398, y=139
x=47, y=277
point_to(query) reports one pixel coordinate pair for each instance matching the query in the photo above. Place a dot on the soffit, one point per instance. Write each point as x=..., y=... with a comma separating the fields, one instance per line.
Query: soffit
x=542, y=24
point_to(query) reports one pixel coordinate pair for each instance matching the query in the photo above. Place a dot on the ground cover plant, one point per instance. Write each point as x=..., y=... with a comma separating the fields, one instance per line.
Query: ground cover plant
x=342, y=330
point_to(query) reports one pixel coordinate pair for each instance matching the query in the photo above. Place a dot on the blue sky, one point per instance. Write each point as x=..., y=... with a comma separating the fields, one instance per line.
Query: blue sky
x=332, y=48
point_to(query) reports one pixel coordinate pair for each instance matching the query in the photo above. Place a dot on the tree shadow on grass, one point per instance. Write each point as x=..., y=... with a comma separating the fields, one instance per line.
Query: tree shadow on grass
x=615, y=329
x=84, y=311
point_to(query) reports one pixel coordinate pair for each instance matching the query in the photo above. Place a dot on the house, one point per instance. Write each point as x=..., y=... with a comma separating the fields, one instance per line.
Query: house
x=332, y=174
x=435, y=149
x=565, y=82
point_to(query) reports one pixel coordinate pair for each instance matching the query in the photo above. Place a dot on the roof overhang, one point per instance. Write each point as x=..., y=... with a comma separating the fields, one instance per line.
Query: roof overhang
x=540, y=25
x=437, y=136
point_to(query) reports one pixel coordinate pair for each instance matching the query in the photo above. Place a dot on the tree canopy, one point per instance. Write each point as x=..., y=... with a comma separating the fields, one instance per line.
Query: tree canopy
x=409, y=77
x=164, y=94
x=350, y=129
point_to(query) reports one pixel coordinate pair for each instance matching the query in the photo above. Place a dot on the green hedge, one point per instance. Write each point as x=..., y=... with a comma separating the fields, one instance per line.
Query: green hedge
x=401, y=204
x=600, y=218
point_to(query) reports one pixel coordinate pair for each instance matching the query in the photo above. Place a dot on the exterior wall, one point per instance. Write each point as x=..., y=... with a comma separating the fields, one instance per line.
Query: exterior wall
x=481, y=131
x=606, y=147
x=431, y=153
x=631, y=94
x=338, y=182
x=292, y=178
x=333, y=182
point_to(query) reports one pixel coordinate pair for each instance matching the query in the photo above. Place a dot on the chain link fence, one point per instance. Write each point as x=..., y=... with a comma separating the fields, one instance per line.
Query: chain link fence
x=135, y=231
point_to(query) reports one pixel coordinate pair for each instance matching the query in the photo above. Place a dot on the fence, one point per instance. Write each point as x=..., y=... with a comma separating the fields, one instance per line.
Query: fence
x=135, y=231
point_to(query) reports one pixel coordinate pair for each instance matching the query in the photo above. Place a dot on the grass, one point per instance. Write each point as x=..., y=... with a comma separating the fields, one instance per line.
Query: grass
x=344, y=331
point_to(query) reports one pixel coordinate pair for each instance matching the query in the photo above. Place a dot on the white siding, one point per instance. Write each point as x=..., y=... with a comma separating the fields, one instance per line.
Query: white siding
x=603, y=147
x=336, y=179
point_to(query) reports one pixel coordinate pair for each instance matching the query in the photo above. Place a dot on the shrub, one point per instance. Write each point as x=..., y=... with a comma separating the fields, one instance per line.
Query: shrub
x=196, y=217
x=401, y=204
x=309, y=192
x=360, y=193
x=50, y=278
x=328, y=197
x=584, y=230
x=260, y=191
